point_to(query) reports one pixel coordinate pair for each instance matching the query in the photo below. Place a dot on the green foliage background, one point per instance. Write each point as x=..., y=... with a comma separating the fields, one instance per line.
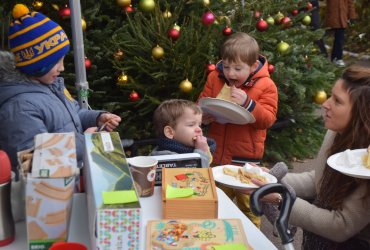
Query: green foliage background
x=299, y=74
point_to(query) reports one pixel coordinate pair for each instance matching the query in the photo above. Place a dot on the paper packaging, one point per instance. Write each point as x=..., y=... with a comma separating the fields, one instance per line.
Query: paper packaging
x=48, y=191
x=116, y=224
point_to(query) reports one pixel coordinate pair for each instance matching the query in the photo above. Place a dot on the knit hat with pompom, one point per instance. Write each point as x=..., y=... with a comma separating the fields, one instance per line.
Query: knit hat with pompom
x=37, y=42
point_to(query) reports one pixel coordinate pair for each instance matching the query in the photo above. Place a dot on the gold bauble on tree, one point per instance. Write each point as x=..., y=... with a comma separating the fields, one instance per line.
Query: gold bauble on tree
x=167, y=14
x=320, y=97
x=157, y=52
x=186, y=86
x=122, y=79
x=37, y=5
x=124, y=3
x=55, y=7
x=147, y=5
x=176, y=27
x=118, y=55
x=83, y=24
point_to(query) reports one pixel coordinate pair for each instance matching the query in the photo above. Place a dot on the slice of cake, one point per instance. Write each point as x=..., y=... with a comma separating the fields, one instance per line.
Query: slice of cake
x=366, y=158
x=225, y=93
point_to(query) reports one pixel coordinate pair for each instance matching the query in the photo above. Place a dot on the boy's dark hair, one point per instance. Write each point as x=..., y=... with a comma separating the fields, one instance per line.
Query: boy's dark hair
x=240, y=46
x=168, y=113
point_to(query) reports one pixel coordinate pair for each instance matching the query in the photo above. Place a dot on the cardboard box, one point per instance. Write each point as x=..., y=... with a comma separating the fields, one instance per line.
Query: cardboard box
x=203, y=204
x=190, y=160
x=111, y=226
x=48, y=210
x=48, y=187
x=54, y=155
x=195, y=234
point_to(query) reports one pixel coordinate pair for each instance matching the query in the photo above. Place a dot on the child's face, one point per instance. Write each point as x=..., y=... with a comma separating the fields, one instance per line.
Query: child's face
x=52, y=75
x=187, y=127
x=237, y=72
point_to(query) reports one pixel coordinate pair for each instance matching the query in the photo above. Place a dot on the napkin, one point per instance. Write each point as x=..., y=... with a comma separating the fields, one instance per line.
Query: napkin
x=172, y=192
x=349, y=159
x=232, y=246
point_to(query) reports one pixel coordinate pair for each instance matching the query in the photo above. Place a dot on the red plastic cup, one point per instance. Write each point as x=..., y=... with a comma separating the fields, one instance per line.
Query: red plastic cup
x=67, y=246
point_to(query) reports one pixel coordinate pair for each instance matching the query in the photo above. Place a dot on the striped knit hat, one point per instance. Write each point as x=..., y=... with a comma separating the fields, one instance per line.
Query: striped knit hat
x=37, y=42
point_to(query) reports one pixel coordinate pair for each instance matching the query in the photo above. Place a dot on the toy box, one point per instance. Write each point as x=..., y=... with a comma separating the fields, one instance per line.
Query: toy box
x=196, y=234
x=114, y=213
x=189, y=160
x=202, y=204
x=48, y=171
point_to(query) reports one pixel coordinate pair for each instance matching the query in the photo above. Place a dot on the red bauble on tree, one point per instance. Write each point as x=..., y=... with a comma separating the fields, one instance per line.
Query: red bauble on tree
x=295, y=12
x=174, y=34
x=210, y=67
x=87, y=63
x=271, y=68
x=257, y=14
x=262, y=25
x=227, y=31
x=129, y=9
x=134, y=96
x=309, y=6
x=208, y=18
x=286, y=22
x=65, y=12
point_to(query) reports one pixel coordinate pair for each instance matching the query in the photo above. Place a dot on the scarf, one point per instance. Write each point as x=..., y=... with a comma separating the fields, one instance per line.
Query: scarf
x=164, y=143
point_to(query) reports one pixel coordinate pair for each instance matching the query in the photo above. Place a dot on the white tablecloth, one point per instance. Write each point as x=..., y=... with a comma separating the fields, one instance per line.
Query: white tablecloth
x=151, y=210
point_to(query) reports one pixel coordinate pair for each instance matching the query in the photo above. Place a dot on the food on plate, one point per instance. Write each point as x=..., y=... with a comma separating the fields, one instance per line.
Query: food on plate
x=243, y=175
x=225, y=93
x=366, y=158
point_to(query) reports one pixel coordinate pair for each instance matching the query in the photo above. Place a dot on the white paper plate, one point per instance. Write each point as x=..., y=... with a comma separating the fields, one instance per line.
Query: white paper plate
x=232, y=182
x=225, y=111
x=356, y=169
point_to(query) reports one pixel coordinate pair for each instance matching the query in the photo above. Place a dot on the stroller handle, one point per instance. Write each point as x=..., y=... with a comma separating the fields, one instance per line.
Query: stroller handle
x=286, y=207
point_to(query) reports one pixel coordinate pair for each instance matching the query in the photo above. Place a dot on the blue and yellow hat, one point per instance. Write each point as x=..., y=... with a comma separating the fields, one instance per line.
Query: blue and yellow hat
x=37, y=42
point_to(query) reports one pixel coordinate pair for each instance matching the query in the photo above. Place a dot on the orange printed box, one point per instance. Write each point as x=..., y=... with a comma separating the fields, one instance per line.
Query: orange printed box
x=49, y=171
x=48, y=210
x=203, y=204
x=54, y=155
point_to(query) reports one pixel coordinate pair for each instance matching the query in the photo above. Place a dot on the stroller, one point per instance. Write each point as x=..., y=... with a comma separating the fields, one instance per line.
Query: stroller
x=286, y=207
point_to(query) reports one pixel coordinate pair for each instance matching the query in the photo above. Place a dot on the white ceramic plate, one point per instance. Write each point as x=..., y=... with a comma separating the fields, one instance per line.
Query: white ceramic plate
x=225, y=111
x=232, y=182
x=353, y=167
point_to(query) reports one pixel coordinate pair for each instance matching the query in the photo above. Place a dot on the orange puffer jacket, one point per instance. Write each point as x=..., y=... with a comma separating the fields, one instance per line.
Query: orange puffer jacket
x=242, y=143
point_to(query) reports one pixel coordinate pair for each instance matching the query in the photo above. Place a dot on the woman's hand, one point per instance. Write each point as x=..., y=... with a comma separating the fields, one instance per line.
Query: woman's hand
x=108, y=121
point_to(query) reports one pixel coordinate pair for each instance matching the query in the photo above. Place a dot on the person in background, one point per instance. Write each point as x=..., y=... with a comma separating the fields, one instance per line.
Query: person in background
x=338, y=15
x=177, y=124
x=316, y=24
x=33, y=98
x=245, y=72
x=339, y=216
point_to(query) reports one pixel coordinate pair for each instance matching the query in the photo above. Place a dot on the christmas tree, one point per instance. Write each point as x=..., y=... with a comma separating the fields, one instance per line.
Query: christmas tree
x=139, y=53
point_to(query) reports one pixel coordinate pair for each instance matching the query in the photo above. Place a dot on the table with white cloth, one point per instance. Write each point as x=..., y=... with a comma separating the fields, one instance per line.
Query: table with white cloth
x=151, y=210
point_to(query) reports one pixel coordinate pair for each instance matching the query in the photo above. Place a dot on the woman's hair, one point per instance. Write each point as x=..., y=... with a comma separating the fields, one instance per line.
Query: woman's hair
x=169, y=111
x=240, y=46
x=356, y=135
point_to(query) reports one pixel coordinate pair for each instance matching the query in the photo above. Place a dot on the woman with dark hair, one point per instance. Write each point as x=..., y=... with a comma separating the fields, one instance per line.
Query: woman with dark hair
x=339, y=216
